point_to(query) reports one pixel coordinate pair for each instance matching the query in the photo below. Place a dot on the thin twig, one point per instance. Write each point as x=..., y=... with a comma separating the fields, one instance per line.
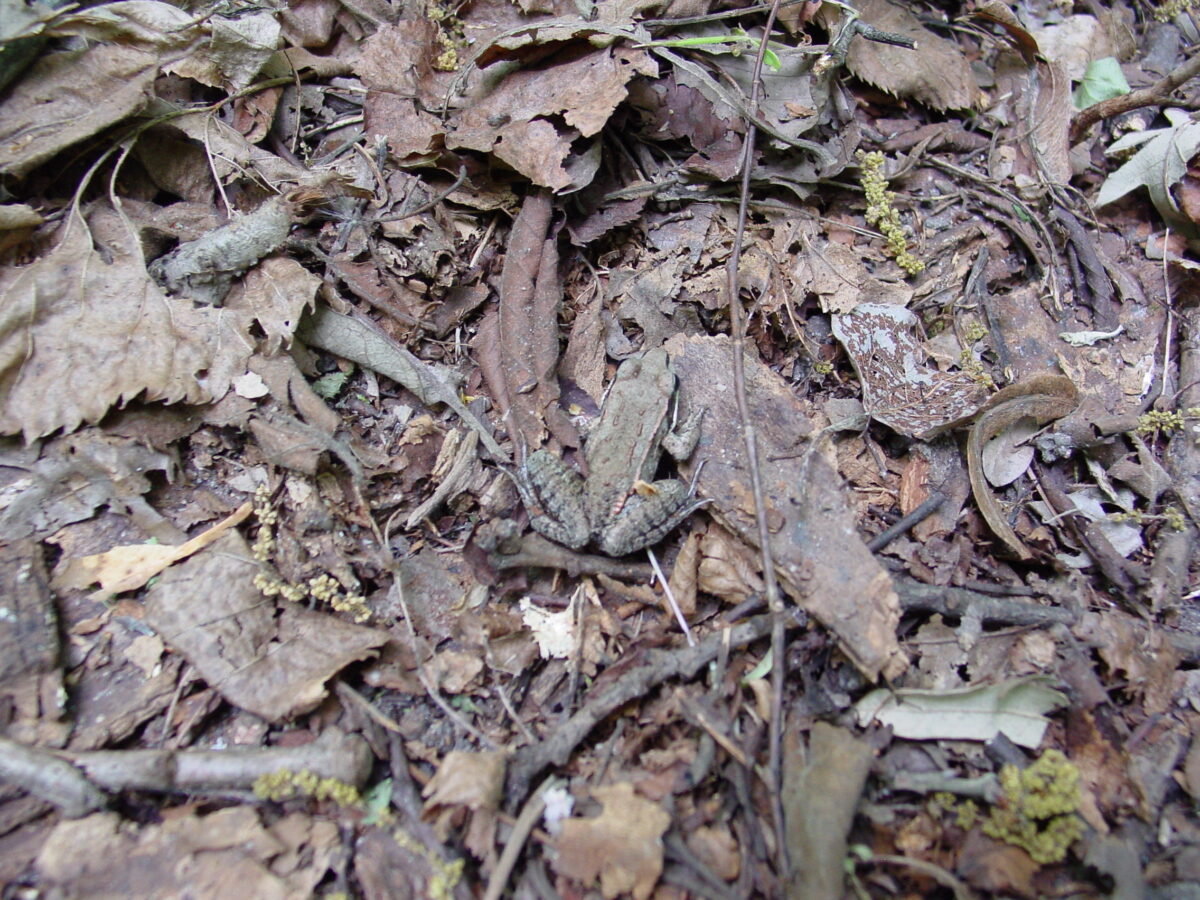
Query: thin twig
x=737, y=329
x=521, y=830
x=671, y=601
x=1156, y=93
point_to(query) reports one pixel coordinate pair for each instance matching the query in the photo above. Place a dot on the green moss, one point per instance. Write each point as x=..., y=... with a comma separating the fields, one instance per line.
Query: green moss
x=1038, y=810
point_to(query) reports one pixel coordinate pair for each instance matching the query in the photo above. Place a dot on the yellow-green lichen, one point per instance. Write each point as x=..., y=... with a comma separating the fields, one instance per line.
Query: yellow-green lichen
x=882, y=213
x=1165, y=420
x=446, y=875
x=1038, y=810
x=323, y=588
x=1169, y=9
x=286, y=785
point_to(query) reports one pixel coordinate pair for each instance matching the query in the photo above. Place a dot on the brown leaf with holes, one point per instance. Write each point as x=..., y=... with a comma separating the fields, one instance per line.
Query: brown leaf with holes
x=900, y=388
x=622, y=846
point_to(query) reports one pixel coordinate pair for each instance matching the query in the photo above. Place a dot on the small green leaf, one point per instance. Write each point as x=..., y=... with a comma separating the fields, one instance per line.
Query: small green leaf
x=1103, y=80
x=377, y=798
x=329, y=386
x=759, y=671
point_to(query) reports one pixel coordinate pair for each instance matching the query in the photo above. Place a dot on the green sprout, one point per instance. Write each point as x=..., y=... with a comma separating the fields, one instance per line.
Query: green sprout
x=735, y=43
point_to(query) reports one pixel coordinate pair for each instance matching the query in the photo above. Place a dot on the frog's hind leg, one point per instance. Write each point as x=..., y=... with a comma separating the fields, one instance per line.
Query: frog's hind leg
x=646, y=520
x=553, y=495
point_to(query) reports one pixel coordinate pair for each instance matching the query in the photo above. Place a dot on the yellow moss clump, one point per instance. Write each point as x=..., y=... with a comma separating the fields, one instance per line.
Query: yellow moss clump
x=1037, y=813
x=1169, y=9
x=883, y=214
x=286, y=784
x=323, y=588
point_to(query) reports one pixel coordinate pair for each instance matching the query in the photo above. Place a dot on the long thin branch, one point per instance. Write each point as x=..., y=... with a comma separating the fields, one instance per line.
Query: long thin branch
x=737, y=328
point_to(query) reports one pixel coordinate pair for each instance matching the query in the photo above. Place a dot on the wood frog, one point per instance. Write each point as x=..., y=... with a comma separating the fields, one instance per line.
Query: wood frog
x=617, y=505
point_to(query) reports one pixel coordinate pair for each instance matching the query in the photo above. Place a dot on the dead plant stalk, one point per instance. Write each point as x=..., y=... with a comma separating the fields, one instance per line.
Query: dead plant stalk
x=737, y=329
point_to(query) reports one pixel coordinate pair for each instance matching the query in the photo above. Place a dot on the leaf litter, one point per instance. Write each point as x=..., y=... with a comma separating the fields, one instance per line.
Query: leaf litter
x=458, y=222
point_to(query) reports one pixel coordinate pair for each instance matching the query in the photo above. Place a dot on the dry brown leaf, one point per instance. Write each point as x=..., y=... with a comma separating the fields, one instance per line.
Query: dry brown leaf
x=270, y=659
x=473, y=780
x=820, y=557
x=839, y=277
x=936, y=73
x=69, y=96
x=512, y=121
x=622, y=846
x=821, y=790
x=83, y=330
x=728, y=569
x=900, y=388
x=228, y=853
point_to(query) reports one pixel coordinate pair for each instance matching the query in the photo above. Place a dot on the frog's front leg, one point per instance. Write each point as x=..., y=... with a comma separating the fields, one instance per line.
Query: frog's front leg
x=646, y=519
x=681, y=440
x=553, y=494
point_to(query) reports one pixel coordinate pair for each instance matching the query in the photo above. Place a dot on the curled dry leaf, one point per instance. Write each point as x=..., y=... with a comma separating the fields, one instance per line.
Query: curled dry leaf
x=1041, y=399
x=900, y=388
x=204, y=269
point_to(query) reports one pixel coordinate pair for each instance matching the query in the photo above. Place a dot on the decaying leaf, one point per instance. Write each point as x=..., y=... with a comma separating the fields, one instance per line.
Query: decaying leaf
x=820, y=559
x=900, y=388
x=936, y=74
x=821, y=790
x=516, y=120
x=622, y=846
x=223, y=854
x=70, y=479
x=1017, y=708
x=271, y=661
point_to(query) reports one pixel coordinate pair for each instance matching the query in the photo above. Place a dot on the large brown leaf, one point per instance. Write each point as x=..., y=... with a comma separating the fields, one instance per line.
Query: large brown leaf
x=85, y=328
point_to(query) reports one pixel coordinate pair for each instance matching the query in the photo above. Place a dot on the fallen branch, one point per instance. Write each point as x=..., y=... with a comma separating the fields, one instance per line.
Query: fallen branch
x=1156, y=93
x=654, y=667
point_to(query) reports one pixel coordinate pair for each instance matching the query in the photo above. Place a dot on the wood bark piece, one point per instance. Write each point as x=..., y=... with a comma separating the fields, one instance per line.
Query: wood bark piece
x=820, y=795
x=530, y=295
x=821, y=560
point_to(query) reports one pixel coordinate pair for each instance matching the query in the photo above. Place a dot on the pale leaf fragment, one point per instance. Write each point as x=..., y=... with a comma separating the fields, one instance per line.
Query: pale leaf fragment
x=128, y=567
x=553, y=631
x=1017, y=708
